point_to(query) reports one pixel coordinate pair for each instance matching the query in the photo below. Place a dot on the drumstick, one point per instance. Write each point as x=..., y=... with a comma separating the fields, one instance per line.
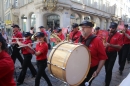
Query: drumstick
x=90, y=79
x=87, y=83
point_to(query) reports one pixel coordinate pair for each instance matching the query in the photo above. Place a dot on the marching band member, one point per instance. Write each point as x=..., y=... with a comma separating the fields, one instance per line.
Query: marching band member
x=114, y=44
x=6, y=66
x=15, y=52
x=41, y=57
x=60, y=35
x=96, y=31
x=75, y=33
x=42, y=29
x=125, y=48
x=97, y=51
x=27, y=59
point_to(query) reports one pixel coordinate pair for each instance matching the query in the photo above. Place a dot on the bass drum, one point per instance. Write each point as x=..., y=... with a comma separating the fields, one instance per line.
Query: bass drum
x=69, y=62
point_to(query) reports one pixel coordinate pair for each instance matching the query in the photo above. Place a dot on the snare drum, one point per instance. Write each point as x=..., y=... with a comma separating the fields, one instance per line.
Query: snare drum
x=69, y=62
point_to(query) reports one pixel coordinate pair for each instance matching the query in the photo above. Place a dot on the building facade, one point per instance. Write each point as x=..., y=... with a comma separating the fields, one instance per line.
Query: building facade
x=125, y=11
x=62, y=13
x=1, y=15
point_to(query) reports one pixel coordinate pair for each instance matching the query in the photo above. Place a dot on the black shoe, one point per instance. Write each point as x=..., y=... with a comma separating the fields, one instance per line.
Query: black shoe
x=121, y=73
x=20, y=68
x=18, y=83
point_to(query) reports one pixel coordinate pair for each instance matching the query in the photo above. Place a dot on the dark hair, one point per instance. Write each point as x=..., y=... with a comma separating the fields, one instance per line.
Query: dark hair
x=32, y=28
x=126, y=25
x=4, y=44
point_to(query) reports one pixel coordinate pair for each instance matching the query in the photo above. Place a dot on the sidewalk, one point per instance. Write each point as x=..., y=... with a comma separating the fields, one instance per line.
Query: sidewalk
x=99, y=81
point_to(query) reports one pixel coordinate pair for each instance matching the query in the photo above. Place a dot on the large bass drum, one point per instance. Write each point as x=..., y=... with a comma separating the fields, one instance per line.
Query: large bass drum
x=69, y=62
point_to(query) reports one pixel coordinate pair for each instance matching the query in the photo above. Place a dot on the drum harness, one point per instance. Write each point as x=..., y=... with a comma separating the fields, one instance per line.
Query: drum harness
x=88, y=40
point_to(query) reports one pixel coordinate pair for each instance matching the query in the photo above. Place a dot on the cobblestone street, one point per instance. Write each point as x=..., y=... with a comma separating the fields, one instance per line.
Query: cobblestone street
x=99, y=81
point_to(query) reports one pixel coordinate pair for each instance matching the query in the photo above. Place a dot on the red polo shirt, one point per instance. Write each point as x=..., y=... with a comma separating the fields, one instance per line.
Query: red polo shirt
x=18, y=35
x=44, y=32
x=43, y=48
x=75, y=35
x=115, y=40
x=6, y=70
x=97, y=51
x=24, y=50
x=61, y=36
x=125, y=39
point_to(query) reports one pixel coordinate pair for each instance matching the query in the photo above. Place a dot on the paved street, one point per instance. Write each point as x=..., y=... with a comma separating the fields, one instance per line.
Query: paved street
x=99, y=81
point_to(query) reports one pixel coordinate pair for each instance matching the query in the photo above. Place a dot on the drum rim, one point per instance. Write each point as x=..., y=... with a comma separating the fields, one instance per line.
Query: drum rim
x=87, y=68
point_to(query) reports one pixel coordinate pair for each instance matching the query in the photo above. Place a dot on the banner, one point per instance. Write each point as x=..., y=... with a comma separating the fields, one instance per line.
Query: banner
x=121, y=26
x=64, y=30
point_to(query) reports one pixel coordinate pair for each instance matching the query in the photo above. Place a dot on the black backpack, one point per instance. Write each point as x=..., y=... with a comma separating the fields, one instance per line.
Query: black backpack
x=88, y=41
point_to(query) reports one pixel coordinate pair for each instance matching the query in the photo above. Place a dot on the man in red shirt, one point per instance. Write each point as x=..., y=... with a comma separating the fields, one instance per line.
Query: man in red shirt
x=96, y=31
x=125, y=48
x=60, y=35
x=6, y=66
x=96, y=48
x=75, y=34
x=42, y=29
x=113, y=45
x=15, y=52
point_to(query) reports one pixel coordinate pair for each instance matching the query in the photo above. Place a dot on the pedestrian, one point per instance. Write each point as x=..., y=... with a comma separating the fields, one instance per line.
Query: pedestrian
x=113, y=45
x=75, y=33
x=60, y=34
x=48, y=37
x=27, y=59
x=15, y=52
x=32, y=30
x=41, y=57
x=96, y=48
x=6, y=66
x=4, y=35
x=125, y=49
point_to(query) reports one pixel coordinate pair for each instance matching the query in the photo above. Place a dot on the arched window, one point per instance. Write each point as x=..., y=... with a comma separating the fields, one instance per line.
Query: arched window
x=24, y=21
x=75, y=18
x=97, y=22
x=33, y=20
x=53, y=21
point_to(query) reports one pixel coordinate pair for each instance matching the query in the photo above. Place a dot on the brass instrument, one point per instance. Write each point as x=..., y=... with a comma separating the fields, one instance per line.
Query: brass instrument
x=27, y=45
x=54, y=35
x=67, y=37
x=33, y=37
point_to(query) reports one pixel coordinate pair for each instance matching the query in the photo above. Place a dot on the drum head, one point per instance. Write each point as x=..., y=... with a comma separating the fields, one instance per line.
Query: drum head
x=77, y=66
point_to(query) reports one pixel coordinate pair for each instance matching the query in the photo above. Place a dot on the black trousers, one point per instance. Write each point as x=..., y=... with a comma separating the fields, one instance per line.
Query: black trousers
x=125, y=55
x=26, y=64
x=120, y=56
x=41, y=73
x=16, y=54
x=90, y=73
x=109, y=66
